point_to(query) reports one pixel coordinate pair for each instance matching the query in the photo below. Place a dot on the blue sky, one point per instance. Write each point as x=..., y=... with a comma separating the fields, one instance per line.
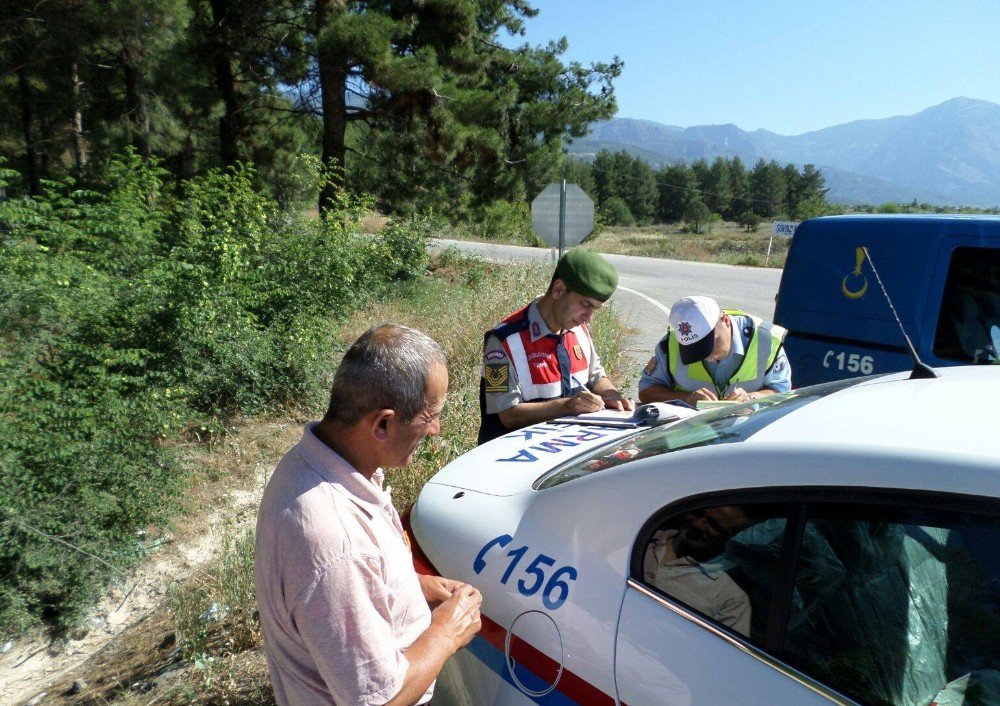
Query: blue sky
x=789, y=67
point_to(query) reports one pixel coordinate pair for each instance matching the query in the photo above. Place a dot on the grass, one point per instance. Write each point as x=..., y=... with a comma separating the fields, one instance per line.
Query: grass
x=203, y=644
x=721, y=242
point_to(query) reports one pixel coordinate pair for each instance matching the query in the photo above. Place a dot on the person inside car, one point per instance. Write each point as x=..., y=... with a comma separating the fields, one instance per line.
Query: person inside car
x=685, y=564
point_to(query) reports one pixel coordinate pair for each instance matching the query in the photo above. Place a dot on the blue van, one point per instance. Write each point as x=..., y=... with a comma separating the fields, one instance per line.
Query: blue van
x=942, y=274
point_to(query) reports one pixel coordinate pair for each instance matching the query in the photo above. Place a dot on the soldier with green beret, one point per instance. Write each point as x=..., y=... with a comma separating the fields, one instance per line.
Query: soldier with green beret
x=539, y=363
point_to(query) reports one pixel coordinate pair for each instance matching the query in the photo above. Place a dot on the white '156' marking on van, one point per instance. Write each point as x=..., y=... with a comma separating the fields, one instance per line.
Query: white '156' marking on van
x=852, y=363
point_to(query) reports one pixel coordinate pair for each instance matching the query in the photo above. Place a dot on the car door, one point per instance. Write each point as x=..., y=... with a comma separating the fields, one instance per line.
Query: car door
x=842, y=595
x=683, y=634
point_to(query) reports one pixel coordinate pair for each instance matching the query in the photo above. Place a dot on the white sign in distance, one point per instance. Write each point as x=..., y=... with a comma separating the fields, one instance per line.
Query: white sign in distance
x=784, y=229
x=579, y=215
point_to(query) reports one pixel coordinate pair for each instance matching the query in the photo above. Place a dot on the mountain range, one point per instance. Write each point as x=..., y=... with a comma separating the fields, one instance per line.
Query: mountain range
x=947, y=155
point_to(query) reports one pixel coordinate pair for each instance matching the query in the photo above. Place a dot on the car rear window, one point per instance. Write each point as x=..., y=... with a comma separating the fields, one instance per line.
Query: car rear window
x=725, y=425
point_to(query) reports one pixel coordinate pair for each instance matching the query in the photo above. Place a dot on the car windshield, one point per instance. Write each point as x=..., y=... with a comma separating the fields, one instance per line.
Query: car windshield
x=724, y=425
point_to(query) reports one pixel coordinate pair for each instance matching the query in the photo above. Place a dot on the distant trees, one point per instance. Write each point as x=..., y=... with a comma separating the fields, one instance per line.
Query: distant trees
x=620, y=182
x=415, y=102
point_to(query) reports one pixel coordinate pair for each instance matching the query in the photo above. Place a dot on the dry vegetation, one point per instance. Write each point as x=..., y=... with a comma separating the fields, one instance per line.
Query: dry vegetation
x=199, y=642
x=721, y=242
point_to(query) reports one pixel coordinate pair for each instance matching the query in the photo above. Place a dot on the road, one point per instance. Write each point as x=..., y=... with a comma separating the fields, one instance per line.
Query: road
x=647, y=286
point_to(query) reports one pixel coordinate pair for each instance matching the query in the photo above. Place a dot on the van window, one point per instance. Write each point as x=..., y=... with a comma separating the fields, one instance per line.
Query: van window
x=970, y=308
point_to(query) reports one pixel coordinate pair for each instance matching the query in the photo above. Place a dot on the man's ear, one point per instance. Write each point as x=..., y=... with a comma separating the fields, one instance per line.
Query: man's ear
x=380, y=420
x=558, y=288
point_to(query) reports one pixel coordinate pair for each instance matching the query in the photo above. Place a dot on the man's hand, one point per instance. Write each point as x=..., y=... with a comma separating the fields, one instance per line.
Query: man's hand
x=702, y=393
x=458, y=618
x=739, y=395
x=614, y=400
x=437, y=589
x=583, y=402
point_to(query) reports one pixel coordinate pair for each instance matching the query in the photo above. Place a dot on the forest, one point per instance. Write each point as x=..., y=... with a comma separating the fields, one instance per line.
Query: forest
x=417, y=102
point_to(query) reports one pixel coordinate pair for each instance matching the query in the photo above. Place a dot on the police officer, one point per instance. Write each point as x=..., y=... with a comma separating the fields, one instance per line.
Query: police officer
x=540, y=363
x=711, y=354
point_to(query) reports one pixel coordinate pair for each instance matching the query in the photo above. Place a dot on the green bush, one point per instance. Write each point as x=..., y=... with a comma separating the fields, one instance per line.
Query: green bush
x=130, y=311
x=505, y=222
x=616, y=212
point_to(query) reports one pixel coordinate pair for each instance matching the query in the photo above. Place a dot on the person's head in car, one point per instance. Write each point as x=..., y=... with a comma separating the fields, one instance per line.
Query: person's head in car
x=703, y=534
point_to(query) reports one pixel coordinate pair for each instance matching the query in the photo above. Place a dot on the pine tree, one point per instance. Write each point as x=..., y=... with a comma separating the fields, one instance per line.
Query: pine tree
x=678, y=187
x=718, y=191
x=767, y=188
x=642, y=193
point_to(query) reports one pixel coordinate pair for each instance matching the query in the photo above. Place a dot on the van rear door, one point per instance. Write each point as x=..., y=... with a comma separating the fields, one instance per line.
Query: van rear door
x=840, y=323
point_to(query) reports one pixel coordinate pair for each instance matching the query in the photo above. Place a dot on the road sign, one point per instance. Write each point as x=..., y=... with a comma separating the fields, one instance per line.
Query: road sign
x=574, y=213
x=784, y=229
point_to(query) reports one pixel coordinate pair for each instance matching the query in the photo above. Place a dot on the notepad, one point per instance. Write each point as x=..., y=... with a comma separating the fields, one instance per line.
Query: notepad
x=644, y=415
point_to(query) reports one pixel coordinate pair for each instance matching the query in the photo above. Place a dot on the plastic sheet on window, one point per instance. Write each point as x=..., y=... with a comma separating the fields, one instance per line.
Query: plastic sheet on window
x=869, y=610
x=979, y=688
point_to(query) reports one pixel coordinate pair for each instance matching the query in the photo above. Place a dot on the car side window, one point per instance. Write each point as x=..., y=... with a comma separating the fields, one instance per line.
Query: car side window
x=720, y=561
x=898, y=606
x=883, y=601
x=968, y=326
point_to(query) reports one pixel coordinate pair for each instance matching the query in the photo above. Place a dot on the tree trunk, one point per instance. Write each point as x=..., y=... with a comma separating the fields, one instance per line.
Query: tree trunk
x=76, y=123
x=28, y=124
x=226, y=82
x=135, y=105
x=333, y=86
x=186, y=159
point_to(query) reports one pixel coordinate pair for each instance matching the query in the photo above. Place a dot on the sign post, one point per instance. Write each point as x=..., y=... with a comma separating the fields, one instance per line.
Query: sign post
x=782, y=229
x=562, y=215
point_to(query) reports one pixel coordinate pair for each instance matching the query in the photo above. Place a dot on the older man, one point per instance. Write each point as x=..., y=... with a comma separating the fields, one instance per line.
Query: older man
x=540, y=362
x=346, y=619
x=710, y=353
x=684, y=562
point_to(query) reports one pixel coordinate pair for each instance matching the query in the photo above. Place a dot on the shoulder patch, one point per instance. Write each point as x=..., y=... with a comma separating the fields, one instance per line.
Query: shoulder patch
x=496, y=355
x=650, y=366
x=497, y=376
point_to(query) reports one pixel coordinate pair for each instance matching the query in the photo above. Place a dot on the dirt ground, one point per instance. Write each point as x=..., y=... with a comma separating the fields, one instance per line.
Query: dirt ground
x=127, y=644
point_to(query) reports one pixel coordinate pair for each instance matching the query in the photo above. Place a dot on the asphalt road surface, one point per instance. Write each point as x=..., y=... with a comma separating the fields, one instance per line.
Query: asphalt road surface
x=647, y=286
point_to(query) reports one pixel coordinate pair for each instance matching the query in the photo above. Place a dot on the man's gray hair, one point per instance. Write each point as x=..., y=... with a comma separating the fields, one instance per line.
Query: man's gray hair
x=386, y=368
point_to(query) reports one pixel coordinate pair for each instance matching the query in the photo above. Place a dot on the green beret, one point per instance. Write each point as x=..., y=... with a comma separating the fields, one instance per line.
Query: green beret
x=587, y=273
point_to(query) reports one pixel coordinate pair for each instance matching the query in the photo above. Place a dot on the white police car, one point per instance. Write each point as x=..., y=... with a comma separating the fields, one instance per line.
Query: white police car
x=837, y=543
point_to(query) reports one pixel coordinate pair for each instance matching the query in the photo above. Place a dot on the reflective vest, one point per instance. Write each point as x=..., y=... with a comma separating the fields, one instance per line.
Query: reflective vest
x=761, y=350
x=536, y=366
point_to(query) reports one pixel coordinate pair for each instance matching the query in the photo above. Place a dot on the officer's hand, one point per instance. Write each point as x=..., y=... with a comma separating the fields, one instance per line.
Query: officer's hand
x=739, y=395
x=583, y=402
x=458, y=618
x=702, y=393
x=614, y=400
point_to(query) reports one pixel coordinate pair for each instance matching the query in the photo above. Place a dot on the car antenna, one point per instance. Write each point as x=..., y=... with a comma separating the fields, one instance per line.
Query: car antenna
x=920, y=368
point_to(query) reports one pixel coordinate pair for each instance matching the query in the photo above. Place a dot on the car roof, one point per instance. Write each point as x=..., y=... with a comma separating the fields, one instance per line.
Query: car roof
x=953, y=414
